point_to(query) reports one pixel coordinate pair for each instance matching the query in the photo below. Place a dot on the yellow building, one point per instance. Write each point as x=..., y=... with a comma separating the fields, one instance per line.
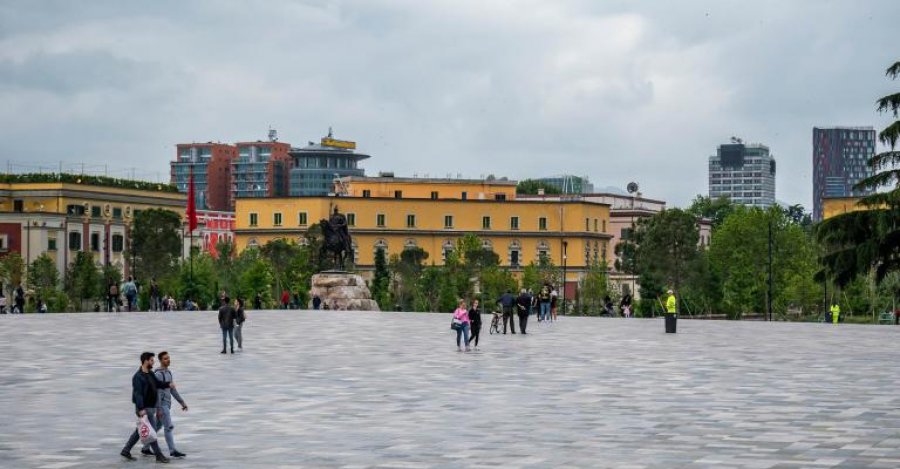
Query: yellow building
x=519, y=231
x=62, y=218
x=833, y=206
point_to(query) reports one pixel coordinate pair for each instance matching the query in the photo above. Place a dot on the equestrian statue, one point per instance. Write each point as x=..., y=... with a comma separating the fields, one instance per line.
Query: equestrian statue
x=337, y=239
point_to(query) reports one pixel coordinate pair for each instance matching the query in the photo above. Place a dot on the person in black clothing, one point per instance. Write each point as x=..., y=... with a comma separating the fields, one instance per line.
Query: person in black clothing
x=226, y=322
x=316, y=302
x=239, y=317
x=144, y=386
x=257, y=301
x=524, y=305
x=508, y=302
x=475, y=323
x=625, y=305
x=20, y=299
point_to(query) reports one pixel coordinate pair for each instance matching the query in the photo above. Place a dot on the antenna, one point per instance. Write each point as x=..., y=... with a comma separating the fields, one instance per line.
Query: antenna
x=273, y=134
x=330, y=132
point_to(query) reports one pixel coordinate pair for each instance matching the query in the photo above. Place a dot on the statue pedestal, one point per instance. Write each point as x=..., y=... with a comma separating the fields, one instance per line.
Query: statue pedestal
x=342, y=291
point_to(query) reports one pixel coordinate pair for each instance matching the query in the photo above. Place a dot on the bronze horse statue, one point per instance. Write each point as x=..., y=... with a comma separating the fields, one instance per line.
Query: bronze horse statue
x=337, y=240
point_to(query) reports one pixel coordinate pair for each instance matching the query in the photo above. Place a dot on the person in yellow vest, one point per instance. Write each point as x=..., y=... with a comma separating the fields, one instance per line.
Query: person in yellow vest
x=835, y=313
x=671, y=316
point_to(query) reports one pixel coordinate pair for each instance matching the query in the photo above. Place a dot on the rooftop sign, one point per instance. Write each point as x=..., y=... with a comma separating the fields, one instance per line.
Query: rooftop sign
x=330, y=142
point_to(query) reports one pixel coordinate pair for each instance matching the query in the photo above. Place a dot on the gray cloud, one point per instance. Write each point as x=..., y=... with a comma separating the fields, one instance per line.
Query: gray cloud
x=616, y=90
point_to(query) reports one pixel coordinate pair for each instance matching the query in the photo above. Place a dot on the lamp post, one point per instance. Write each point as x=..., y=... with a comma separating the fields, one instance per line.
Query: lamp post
x=565, y=245
x=632, y=188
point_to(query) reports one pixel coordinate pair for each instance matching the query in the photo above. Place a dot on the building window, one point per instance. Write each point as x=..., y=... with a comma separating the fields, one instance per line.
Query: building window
x=75, y=241
x=276, y=219
x=514, y=258
x=448, y=221
x=3, y=243
x=542, y=223
x=379, y=220
x=95, y=211
x=367, y=193
x=302, y=218
x=434, y=195
x=486, y=223
x=383, y=246
x=51, y=244
x=351, y=219
x=18, y=205
x=398, y=194
x=595, y=224
x=465, y=195
x=543, y=251
x=95, y=242
x=514, y=223
x=499, y=196
x=75, y=209
x=446, y=250
x=410, y=221
x=587, y=224
x=117, y=213
x=254, y=219
x=118, y=243
x=410, y=244
x=604, y=226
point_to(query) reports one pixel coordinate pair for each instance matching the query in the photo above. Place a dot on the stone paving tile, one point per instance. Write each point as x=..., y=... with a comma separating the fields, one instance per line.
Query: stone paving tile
x=388, y=390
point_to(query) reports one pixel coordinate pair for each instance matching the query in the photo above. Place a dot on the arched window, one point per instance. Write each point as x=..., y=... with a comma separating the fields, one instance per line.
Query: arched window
x=410, y=243
x=486, y=244
x=252, y=243
x=383, y=245
x=514, y=253
x=543, y=249
x=446, y=248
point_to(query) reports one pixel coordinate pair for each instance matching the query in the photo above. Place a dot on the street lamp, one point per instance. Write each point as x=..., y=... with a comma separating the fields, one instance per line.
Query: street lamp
x=565, y=245
x=632, y=189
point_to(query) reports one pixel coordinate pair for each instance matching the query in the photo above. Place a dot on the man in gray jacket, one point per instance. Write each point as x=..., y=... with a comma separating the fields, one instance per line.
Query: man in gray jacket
x=164, y=407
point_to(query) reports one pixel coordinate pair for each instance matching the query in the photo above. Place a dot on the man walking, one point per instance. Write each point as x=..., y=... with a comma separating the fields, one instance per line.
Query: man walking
x=130, y=290
x=671, y=310
x=544, y=298
x=239, y=317
x=20, y=299
x=144, y=387
x=508, y=302
x=524, y=306
x=226, y=322
x=163, y=374
x=155, y=300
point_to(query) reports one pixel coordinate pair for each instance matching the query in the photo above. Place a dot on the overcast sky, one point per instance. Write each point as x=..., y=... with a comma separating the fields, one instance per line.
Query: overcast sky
x=615, y=90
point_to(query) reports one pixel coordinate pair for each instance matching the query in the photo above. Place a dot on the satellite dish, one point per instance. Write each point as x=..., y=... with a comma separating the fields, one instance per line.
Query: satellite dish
x=632, y=187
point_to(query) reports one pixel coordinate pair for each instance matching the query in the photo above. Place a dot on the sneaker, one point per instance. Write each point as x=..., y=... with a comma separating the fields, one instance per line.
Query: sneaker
x=147, y=452
x=223, y=351
x=162, y=459
x=468, y=349
x=177, y=454
x=232, y=350
x=127, y=455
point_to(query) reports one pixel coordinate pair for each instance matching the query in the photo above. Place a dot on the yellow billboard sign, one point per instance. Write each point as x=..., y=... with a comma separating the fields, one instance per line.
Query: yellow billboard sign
x=330, y=142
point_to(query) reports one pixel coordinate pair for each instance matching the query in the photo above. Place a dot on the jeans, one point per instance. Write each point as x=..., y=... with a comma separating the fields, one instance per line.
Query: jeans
x=462, y=331
x=229, y=332
x=155, y=303
x=238, y=335
x=545, y=312
x=165, y=420
x=134, y=438
x=131, y=301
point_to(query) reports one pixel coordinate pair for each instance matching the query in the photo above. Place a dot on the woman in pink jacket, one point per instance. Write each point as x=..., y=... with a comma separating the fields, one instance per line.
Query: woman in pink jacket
x=461, y=324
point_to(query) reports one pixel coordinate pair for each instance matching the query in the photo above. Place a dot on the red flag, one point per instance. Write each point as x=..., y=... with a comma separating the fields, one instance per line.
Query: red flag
x=191, y=205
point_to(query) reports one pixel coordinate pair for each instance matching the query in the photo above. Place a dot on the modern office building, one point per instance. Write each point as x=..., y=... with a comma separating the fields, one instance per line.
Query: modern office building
x=745, y=173
x=317, y=165
x=260, y=169
x=840, y=156
x=569, y=184
x=394, y=214
x=60, y=215
x=211, y=164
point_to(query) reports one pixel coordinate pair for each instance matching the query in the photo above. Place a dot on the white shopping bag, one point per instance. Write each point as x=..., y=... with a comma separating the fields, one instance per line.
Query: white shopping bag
x=146, y=431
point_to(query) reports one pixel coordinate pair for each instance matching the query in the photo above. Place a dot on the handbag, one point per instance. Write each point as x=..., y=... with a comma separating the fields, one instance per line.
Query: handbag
x=146, y=431
x=455, y=324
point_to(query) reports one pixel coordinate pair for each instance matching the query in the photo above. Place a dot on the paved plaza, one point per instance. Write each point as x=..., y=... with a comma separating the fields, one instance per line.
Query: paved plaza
x=352, y=390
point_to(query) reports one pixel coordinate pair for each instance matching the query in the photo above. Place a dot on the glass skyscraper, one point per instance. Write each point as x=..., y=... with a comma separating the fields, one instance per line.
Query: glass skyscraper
x=840, y=161
x=745, y=173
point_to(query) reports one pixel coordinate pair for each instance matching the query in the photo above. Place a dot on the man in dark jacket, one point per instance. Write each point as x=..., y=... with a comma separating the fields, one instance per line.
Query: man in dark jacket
x=524, y=306
x=508, y=302
x=226, y=322
x=144, y=386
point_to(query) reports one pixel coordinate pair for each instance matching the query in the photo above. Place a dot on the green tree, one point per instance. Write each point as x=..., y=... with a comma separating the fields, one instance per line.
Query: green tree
x=407, y=267
x=592, y=289
x=381, y=281
x=739, y=253
x=536, y=274
x=198, y=282
x=42, y=273
x=531, y=186
x=715, y=210
x=280, y=253
x=256, y=277
x=856, y=243
x=156, y=243
x=666, y=247
x=83, y=280
x=12, y=268
x=494, y=283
